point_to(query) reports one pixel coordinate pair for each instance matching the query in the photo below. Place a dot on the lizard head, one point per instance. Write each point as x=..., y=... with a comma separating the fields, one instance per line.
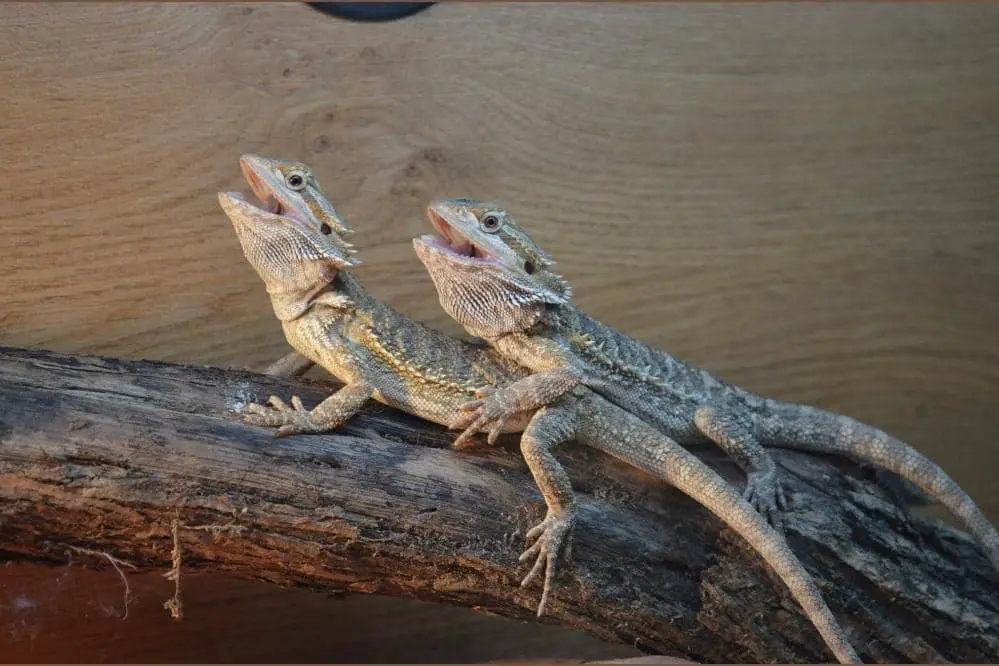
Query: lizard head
x=292, y=241
x=491, y=277
x=286, y=187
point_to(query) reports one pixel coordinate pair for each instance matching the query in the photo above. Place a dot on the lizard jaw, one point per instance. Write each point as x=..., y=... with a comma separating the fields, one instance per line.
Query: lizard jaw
x=452, y=240
x=252, y=221
x=252, y=168
x=430, y=245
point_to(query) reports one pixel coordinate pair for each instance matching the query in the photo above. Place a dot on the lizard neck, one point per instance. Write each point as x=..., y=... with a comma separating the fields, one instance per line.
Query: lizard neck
x=342, y=293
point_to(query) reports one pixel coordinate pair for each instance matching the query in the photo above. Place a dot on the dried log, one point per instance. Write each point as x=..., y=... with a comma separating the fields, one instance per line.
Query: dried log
x=144, y=462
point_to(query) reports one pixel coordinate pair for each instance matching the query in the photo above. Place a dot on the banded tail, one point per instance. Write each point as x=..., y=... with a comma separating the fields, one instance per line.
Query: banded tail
x=627, y=438
x=807, y=428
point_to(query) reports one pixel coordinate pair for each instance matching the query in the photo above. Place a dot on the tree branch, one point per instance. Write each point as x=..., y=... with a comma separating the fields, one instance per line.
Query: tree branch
x=116, y=457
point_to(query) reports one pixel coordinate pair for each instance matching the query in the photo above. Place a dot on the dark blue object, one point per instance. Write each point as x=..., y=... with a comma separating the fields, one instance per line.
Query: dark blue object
x=370, y=11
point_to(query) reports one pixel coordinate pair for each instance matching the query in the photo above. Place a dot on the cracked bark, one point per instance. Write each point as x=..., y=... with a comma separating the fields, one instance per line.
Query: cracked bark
x=106, y=454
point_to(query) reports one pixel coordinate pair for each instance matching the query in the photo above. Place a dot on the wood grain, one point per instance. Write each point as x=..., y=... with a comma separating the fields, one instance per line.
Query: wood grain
x=802, y=198
x=143, y=461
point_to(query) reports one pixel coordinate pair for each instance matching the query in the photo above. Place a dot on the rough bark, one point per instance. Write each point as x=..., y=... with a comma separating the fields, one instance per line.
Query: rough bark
x=102, y=455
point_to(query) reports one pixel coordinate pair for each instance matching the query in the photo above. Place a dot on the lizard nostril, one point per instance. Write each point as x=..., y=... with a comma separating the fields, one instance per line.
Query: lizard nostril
x=325, y=229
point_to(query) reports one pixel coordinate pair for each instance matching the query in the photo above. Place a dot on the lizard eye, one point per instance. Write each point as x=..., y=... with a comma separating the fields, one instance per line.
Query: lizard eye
x=325, y=229
x=295, y=180
x=490, y=222
x=529, y=267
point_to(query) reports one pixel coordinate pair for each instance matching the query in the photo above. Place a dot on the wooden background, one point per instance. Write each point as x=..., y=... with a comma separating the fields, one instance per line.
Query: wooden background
x=801, y=198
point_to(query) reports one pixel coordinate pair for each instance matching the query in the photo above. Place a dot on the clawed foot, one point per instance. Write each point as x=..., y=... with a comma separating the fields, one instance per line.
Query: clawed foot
x=765, y=492
x=492, y=409
x=554, y=537
x=292, y=420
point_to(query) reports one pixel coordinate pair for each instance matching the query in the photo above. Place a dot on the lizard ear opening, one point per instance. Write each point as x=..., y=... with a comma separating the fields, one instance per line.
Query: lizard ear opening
x=529, y=267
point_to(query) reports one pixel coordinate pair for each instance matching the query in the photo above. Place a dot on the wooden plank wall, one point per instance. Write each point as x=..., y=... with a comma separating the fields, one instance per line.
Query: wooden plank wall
x=801, y=198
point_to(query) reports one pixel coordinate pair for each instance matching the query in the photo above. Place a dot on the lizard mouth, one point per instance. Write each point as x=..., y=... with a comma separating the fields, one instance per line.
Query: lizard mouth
x=267, y=198
x=274, y=207
x=453, y=241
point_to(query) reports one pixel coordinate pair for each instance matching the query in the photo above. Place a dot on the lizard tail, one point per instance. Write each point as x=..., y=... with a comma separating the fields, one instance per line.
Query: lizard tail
x=809, y=428
x=632, y=441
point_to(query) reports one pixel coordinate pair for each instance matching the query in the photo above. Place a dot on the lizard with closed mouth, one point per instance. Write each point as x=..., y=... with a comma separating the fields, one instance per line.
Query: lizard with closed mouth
x=297, y=249
x=495, y=281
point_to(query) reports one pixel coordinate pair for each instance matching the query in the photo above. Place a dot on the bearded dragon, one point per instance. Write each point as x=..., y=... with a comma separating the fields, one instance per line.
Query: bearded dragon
x=495, y=281
x=294, y=242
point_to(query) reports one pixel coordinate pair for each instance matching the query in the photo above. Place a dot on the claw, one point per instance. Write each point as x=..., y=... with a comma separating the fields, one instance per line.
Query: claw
x=488, y=413
x=289, y=420
x=766, y=494
x=553, y=537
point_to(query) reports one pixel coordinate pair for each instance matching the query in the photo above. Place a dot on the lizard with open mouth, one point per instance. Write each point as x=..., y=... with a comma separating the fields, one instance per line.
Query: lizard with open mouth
x=293, y=242
x=495, y=281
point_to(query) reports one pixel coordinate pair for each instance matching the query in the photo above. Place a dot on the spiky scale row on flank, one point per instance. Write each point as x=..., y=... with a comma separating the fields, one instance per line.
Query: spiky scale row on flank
x=409, y=368
x=606, y=354
x=382, y=355
x=484, y=263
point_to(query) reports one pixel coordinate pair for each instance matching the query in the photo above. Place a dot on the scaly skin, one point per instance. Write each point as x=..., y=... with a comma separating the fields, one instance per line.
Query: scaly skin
x=382, y=355
x=495, y=281
x=330, y=319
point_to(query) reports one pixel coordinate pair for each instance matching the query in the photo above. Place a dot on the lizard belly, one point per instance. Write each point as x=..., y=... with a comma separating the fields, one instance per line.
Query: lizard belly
x=352, y=362
x=328, y=351
x=436, y=406
x=433, y=393
x=426, y=398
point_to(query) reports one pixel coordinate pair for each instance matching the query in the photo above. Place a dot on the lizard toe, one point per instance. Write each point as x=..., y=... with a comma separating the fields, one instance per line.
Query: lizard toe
x=553, y=536
x=471, y=406
x=766, y=495
x=782, y=502
x=277, y=403
x=258, y=420
x=496, y=430
x=467, y=439
x=462, y=421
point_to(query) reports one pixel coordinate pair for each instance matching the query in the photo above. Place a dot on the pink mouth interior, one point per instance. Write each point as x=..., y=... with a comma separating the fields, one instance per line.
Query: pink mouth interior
x=268, y=201
x=451, y=239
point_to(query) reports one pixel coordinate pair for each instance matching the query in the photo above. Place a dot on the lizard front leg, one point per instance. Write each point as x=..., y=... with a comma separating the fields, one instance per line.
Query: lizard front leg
x=552, y=537
x=327, y=416
x=732, y=430
x=555, y=374
x=495, y=406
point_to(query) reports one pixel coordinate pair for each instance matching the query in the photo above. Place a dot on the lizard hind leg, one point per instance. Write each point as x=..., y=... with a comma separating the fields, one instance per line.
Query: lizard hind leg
x=551, y=537
x=734, y=433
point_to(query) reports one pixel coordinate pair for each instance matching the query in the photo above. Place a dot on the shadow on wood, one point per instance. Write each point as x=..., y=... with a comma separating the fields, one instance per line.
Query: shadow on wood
x=143, y=462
